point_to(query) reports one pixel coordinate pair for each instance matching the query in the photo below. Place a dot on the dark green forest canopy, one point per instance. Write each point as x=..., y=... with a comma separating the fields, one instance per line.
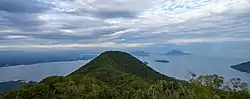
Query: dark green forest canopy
x=119, y=75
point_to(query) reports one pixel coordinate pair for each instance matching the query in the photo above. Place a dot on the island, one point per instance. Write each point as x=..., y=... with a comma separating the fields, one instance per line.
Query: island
x=243, y=67
x=162, y=61
x=176, y=53
x=34, y=57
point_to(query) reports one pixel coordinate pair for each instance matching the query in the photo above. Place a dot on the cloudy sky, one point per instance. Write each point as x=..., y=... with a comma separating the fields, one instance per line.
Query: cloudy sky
x=122, y=23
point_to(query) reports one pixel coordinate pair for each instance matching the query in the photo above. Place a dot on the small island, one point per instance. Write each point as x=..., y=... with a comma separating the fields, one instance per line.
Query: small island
x=176, y=53
x=243, y=67
x=162, y=61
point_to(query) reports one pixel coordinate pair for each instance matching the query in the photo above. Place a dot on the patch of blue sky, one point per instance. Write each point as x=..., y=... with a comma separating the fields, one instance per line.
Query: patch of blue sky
x=186, y=6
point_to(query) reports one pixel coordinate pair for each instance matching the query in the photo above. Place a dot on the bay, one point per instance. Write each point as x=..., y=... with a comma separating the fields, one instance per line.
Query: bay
x=179, y=67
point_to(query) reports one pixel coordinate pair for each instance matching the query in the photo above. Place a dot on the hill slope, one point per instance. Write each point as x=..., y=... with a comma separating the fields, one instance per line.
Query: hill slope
x=121, y=62
x=244, y=67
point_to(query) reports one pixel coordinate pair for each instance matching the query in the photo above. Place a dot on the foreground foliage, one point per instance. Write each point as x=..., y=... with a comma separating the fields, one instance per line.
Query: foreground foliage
x=77, y=87
x=118, y=75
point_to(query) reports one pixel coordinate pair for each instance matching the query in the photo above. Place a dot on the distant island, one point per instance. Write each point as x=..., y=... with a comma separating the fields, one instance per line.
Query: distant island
x=28, y=58
x=162, y=61
x=243, y=67
x=141, y=53
x=176, y=53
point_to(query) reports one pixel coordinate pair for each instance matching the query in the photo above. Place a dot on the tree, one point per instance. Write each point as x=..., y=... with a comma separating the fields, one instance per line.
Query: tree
x=243, y=86
x=140, y=94
x=156, y=92
x=211, y=81
x=235, y=84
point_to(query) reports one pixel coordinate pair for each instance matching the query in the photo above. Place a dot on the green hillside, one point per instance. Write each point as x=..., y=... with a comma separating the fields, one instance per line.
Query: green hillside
x=119, y=75
x=121, y=62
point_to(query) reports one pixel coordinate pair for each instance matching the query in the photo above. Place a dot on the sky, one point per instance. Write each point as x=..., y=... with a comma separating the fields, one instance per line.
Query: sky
x=62, y=24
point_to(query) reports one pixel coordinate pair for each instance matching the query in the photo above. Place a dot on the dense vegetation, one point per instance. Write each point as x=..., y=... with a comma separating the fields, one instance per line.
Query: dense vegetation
x=118, y=75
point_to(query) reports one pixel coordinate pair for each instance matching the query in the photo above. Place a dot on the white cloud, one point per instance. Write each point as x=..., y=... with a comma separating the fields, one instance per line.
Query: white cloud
x=89, y=23
x=207, y=40
x=93, y=45
x=15, y=37
x=122, y=32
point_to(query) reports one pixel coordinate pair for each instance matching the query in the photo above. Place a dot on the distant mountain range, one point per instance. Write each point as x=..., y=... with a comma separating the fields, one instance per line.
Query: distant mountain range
x=141, y=53
x=243, y=67
x=13, y=58
x=176, y=53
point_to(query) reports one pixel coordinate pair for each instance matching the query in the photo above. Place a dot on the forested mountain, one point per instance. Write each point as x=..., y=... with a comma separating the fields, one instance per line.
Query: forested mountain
x=118, y=75
x=121, y=62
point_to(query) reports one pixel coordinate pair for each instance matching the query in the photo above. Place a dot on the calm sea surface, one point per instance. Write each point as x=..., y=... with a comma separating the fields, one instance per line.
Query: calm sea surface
x=178, y=67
